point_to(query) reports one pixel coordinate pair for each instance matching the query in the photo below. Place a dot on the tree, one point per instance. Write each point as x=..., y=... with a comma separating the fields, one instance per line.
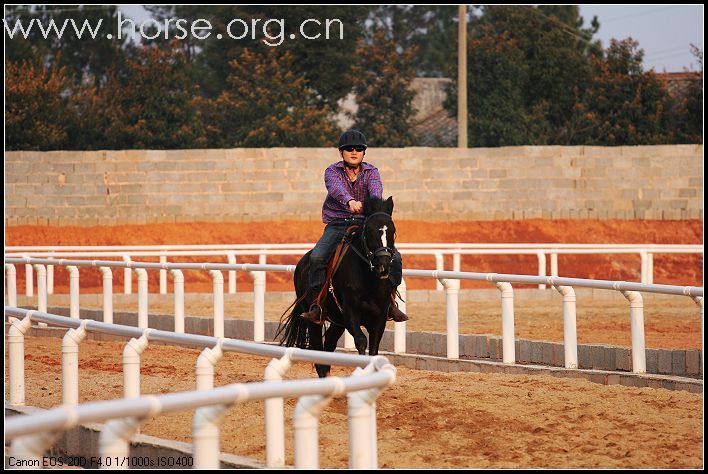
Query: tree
x=324, y=63
x=529, y=64
x=691, y=119
x=148, y=104
x=37, y=114
x=85, y=58
x=430, y=29
x=382, y=78
x=623, y=104
x=267, y=104
x=497, y=111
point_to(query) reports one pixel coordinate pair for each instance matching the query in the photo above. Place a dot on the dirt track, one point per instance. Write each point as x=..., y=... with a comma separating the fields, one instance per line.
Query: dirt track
x=670, y=322
x=425, y=420
x=430, y=419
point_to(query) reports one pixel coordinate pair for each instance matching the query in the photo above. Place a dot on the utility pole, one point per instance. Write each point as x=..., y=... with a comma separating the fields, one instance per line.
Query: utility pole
x=462, y=77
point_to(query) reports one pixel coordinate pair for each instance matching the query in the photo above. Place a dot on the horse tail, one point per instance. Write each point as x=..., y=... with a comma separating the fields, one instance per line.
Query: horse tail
x=292, y=326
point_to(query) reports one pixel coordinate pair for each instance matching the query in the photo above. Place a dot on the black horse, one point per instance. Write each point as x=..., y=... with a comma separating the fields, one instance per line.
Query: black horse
x=362, y=291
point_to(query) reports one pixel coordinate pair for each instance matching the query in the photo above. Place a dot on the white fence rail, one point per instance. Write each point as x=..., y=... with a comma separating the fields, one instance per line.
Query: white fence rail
x=438, y=250
x=32, y=435
x=450, y=281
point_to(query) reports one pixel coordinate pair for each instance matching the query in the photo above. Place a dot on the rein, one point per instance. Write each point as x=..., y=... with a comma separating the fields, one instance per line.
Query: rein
x=369, y=254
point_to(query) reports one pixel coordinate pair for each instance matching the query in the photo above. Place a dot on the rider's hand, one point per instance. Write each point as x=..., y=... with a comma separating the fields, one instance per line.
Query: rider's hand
x=355, y=206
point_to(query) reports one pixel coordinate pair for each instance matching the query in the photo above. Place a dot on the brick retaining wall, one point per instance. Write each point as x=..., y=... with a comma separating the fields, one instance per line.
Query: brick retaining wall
x=154, y=186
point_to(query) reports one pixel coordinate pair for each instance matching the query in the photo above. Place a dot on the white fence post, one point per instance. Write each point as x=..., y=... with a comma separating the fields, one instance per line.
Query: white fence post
x=131, y=365
x=127, y=277
x=306, y=420
x=541, y=267
x=275, y=413
x=645, y=265
x=362, y=428
x=16, y=356
x=262, y=260
x=205, y=365
x=570, y=331
x=440, y=266
x=114, y=442
x=218, y=298
x=205, y=436
x=74, y=310
x=107, y=277
x=178, y=285
x=349, y=340
x=399, y=329
x=456, y=262
x=32, y=448
x=29, y=285
x=142, y=297
x=231, y=256
x=258, y=305
x=163, y=276
x=699, y=301
x=11, y=284
x=507, y=298
x=452, y=291
x=636, y=314
x=50, y=278
x=41, y=289
x=650, y=268
x=70, y=364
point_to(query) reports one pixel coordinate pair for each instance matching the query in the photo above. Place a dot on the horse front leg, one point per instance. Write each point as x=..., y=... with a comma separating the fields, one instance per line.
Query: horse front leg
x=332, y=336
x=376, y=332
x=353, y=325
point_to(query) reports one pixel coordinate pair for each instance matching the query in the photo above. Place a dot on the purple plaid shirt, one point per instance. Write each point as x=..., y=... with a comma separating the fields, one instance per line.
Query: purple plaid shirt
x=340, y=190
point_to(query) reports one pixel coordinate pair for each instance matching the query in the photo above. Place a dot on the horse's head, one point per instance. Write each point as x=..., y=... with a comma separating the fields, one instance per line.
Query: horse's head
x=378, y=234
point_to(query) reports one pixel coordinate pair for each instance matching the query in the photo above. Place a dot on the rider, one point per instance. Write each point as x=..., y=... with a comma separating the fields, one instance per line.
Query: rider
x=349, y=182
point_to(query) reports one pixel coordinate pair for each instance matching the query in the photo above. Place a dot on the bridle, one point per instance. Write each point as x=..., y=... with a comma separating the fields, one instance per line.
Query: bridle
x=371, y=255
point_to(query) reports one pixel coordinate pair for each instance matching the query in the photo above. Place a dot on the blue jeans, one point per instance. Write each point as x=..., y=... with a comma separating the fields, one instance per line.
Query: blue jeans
x=325, y=247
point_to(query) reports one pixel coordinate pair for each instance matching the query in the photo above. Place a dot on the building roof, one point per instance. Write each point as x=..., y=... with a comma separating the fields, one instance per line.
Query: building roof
x=677, y=82
x=436, y=129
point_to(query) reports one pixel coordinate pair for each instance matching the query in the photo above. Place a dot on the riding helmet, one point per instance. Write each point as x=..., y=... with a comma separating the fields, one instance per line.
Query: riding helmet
x=352, y=138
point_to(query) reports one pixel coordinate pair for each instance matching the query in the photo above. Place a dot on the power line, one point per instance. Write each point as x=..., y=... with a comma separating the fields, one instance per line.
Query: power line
x=565, y=28
x=677, y=48
x=669, y=55
x=633, y=15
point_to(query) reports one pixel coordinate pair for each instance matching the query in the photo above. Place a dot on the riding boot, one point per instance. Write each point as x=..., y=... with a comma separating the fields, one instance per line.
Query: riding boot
x=394, y=313
x=314, y=315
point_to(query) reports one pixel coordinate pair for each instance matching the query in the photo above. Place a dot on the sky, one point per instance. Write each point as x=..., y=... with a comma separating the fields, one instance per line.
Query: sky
x=664, y=32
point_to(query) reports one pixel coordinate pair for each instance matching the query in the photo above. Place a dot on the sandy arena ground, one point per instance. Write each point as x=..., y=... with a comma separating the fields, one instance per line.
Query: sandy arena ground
x=670, y=322
x=428, y=419
x=425, y=420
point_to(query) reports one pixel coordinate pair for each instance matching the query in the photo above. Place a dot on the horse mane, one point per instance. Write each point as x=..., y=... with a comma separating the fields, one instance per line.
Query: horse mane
x=373, y=205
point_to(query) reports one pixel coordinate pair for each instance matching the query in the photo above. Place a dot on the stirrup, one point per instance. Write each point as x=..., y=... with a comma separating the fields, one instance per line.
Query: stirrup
x=396, y=314
x=314, y=315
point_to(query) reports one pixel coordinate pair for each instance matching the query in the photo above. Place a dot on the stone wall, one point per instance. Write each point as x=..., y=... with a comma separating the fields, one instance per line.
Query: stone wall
x=148, y=186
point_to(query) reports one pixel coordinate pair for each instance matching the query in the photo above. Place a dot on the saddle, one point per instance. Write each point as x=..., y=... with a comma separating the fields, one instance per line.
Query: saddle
x=332, y=266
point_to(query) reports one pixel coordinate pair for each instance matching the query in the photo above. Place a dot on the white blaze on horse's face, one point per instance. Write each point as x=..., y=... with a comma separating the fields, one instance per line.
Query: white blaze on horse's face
x=383, y=236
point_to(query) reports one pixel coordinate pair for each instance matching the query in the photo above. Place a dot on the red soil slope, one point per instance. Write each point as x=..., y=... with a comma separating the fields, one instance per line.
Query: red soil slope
x=676, y=269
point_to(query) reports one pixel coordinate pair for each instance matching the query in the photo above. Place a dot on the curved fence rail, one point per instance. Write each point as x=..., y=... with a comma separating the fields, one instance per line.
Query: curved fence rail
x=449, y=280
x=33, y=435
x=646, y=253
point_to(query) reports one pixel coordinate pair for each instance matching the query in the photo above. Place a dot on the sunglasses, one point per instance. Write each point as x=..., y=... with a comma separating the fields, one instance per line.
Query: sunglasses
x=352, y=148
